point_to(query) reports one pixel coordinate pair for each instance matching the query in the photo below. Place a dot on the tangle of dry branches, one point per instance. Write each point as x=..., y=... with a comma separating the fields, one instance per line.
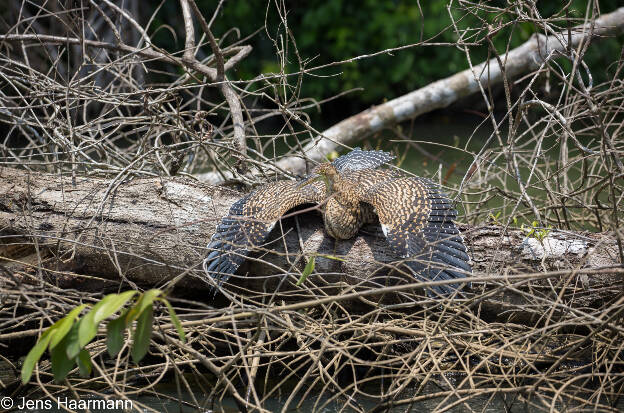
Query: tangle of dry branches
x=86, y=92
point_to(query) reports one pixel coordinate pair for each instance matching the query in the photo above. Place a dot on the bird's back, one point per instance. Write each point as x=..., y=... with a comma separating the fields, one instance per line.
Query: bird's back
x=416, y=218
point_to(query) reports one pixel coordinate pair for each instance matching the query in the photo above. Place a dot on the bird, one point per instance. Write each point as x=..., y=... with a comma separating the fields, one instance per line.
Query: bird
x=416, y=218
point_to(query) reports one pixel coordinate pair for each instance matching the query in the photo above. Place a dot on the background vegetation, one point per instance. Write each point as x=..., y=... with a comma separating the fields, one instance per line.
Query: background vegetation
x=337, y=31
x=85, y=96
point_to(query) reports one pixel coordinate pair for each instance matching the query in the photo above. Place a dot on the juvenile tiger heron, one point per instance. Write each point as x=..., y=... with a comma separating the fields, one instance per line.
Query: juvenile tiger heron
x=417, y=220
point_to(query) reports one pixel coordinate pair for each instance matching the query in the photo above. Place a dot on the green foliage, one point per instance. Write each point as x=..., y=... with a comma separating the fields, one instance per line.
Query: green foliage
x=114, y=334
x=61, y=363
x=58, y=329
x=175, y=320
x=307, y=270
x=88, y=325
x=537, y=232
x=66, y=339
x=494, y=218
x=142, y=334
x=339, y=30
x=84, y=363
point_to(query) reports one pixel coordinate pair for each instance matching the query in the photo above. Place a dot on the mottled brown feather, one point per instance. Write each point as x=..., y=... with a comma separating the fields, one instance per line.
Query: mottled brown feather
x=416, y=218
x=251, y=219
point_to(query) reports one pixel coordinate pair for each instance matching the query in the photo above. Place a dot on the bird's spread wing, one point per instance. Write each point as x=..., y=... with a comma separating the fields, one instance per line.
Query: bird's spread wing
x=418, y=222
x=358, y=159
x=249, y=222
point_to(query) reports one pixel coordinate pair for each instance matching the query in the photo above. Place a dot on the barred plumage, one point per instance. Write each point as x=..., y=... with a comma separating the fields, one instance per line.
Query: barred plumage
x=358, y=159
x=417, y=219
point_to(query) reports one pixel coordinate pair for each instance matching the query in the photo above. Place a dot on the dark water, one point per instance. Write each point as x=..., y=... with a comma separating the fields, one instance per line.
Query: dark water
x=170, y=400
x=490, y=402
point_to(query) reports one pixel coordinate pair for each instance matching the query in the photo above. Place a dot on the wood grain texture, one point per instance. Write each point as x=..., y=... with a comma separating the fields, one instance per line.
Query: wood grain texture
x=151, y=230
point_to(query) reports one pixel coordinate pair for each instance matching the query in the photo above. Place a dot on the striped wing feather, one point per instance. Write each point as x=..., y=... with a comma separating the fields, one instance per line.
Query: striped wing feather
x=358, y=159
x=249, y=222
x=418, y=221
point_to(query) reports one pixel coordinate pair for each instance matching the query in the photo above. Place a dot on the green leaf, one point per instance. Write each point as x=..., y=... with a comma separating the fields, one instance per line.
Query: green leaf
x=71, y=343
x=175, y=320
x=64, y=325
x=307, y=270
x=108, y=306
x=87, y=329
x=114, y=335
x=142, y=334
x=84, y=363
x=145, y=300
x=61, y=364
x=35, y=354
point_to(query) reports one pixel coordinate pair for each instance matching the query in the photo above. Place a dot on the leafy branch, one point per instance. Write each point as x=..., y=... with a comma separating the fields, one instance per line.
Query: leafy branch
x=66, y=340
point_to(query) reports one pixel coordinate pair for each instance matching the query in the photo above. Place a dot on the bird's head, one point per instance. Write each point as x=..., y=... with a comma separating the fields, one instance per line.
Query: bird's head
x=325, y=172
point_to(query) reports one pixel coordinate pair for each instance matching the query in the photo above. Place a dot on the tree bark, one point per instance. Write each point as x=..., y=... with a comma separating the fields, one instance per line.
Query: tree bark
x=151, y=230
x=442, y=93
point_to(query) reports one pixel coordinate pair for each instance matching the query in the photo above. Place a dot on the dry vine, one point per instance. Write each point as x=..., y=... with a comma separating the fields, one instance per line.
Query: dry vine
x=78, y=98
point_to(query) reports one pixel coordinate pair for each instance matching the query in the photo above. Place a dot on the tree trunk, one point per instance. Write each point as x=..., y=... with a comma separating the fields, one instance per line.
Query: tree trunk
x=149, y=231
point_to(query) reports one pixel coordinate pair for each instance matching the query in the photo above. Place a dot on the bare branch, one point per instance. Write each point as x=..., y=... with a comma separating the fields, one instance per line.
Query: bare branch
x=440, y=94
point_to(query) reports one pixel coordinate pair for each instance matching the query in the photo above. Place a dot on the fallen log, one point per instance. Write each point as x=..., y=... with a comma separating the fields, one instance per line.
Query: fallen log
x=151, y=230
